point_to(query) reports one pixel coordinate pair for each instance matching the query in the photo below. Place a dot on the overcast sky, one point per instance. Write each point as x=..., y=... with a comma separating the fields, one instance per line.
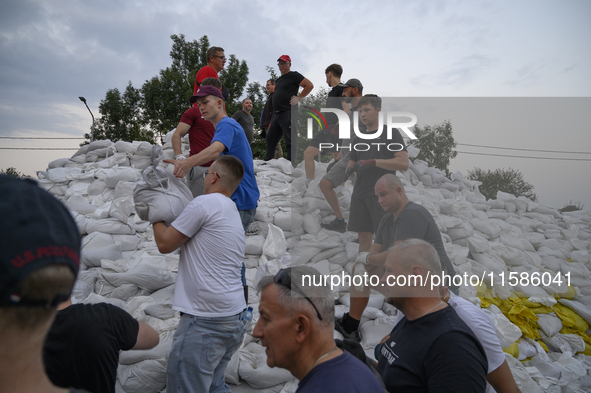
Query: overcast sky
x=54, y=51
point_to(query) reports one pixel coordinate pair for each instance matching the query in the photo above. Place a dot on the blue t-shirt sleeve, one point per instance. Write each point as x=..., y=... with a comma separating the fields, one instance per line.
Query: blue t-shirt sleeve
x=223, y=134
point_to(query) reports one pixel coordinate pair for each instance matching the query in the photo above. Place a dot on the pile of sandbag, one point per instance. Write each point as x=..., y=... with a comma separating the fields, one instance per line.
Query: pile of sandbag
x=543, y=328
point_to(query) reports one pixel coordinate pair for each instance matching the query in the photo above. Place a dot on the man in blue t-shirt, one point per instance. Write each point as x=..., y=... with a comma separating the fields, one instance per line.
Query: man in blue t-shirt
x=229, y=138
x=296, y=328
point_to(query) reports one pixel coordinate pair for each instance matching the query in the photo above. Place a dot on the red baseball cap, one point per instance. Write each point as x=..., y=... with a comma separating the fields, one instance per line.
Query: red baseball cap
x=284, y=58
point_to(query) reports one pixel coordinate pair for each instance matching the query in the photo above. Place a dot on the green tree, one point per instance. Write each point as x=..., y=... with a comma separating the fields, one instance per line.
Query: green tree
x=505, y=180
x=12, y=172
x=121, y=117
x=436, y=145
x=234, y=76
x=158, y=105
x=572, y=206
x=314, y=100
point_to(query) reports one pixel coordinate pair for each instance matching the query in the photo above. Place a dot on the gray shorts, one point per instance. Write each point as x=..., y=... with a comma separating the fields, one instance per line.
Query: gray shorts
x=336, y=175
x=195, y=180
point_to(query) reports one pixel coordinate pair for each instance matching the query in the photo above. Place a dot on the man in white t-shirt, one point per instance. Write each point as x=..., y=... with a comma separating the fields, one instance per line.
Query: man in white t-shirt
x=208, y=290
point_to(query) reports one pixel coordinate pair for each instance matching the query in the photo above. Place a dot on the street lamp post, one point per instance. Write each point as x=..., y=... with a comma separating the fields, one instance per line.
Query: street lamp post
x=92, y=127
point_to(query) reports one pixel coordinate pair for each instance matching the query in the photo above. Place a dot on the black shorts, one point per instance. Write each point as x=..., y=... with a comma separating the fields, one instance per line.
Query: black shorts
x=365, y=215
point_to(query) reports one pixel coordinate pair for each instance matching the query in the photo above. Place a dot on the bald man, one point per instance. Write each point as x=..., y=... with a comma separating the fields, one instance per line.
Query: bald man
x=431, y=349
x=403, y=220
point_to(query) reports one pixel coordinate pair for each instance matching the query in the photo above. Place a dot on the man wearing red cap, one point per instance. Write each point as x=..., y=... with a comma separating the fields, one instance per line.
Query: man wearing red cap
x=285, y=96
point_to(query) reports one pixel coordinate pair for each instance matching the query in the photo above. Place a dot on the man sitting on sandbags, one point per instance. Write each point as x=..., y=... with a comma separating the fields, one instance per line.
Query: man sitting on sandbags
x=296, y=326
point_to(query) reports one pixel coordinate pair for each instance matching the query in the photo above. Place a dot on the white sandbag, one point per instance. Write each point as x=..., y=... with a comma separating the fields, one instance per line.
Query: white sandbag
x=164, y=193
x=340, y=259
x=109, y=225
x=78, y=204
x=96, y=187
x=231, y=375
x=148, y=376
x=122, y=208
x=275, y=244
x=549, y=323
x=122, y=190
x=491, y=230
x=327, y=254
x=372, y=332
x=255, y=371
x=92, y=257
x=144, y=276
x=311, y=223
x=507, y=331
x=461, y=231
x=526, y=349
x=115, y=175
x=254, y=245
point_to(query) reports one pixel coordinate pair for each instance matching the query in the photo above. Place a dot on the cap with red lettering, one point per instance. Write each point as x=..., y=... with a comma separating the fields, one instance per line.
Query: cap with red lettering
x=36, y=230
x=284, y=58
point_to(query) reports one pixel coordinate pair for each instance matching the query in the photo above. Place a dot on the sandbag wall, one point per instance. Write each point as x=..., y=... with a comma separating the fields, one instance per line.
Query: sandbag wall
x=543, y=328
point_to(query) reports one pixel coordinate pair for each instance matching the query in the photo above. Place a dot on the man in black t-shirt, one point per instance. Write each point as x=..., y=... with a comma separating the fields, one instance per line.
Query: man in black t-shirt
x=375, y=157
x=431, y=348
x=82, y=347
x=284, y=97
x=330, y=135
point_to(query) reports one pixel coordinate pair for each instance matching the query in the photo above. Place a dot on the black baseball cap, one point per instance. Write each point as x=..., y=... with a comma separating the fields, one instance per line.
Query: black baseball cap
x=36, y=230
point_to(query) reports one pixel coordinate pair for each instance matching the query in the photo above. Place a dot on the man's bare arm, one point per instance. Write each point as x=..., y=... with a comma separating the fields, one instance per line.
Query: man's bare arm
x=398, y=163
x=168, y=239
x=182, y=167
x=502, y=379
x=147, y=337
x=181, y=131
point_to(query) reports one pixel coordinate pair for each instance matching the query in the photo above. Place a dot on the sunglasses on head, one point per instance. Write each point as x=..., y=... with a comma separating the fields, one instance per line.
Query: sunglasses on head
x=283, y=277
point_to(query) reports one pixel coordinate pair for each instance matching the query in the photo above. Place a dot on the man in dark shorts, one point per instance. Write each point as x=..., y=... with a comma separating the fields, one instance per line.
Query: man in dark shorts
x=335, y=173
x=403, y=220
x=431, y=348
x=284, y=98
x=335, y=101
x=365, y=212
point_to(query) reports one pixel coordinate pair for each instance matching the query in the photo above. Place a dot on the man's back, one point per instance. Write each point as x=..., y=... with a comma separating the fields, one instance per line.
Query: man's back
x=343, y=374
x=208, y=283
x=229, y=132
x=436, y=351
x=82, y=347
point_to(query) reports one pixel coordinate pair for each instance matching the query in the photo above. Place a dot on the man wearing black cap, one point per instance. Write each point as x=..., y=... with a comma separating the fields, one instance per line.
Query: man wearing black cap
x=39, y=259
x=285, y=96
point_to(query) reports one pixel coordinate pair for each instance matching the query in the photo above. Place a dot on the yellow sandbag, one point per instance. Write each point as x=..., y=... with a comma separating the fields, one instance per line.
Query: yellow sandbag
x=587, y=351
x=570, y=318
x=512, y=350
x=541, y=310
x=520, y=315
x=570, y=330
x=569, y=295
